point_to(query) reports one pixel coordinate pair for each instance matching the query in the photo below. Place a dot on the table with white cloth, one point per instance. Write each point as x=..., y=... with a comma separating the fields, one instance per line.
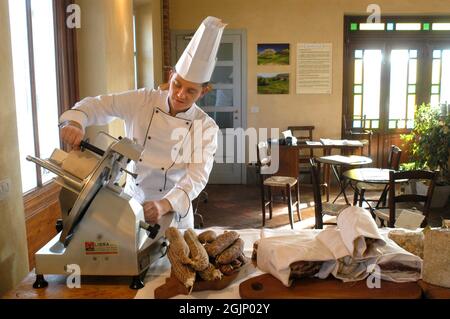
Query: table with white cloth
x=117, y=287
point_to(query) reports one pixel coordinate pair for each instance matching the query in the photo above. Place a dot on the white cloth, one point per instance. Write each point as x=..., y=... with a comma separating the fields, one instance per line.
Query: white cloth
x=198, y=60
x=347, y=251
x=174, y=164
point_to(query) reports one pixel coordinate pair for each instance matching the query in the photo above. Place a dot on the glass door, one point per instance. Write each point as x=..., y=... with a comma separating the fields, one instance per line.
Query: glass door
x=224, y=104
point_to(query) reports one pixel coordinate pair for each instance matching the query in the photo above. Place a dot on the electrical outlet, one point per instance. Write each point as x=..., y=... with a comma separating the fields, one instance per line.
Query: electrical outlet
x=5, y=188
x=255, y=109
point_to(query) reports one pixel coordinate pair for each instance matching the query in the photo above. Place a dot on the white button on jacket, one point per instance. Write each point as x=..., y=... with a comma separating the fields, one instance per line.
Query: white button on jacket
x=178, y=151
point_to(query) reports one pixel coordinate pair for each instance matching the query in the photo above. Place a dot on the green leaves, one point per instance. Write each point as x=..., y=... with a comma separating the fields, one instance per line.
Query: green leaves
x=429, y=141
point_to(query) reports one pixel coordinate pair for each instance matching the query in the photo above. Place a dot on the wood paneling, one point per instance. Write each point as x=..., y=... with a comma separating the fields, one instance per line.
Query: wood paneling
x=41, y=212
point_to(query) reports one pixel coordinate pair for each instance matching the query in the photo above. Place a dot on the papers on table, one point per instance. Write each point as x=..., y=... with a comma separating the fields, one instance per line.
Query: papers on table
x=326, y=141
x=352, y=159
x=409, y=219
x=313, y=143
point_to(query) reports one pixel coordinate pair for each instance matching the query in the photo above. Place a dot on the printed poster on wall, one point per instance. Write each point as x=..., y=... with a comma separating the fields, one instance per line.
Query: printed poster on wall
x=314, y=68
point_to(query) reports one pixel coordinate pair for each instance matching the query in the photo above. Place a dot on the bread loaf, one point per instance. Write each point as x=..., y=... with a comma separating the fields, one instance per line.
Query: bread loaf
x=436, y=257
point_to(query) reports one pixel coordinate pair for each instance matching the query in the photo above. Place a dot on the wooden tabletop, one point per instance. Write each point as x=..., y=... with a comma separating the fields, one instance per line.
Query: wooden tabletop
x=268, y=287
x=118, y=288
x=91, y=288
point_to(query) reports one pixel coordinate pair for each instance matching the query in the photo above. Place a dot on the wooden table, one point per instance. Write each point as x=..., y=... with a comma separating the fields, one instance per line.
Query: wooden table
x=289, y=158
x=343, y=161
x=268, y=287
x=91, y=288
x=371, y=176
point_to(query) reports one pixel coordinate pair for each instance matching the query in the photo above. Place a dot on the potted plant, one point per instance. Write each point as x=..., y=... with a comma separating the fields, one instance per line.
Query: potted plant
x=429, y=148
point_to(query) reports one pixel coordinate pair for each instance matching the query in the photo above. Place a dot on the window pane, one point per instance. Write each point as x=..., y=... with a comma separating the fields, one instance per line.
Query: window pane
x=412, y=71
x=45, y=77
x=358, y=71
x=441, y=26
x=407, y=26
x=357, y=105
x=222, y=75
x=217, y=97
x=375, y=124
x=371, y=26
x=411, y=106
x=398, y=85
x=223, y=119
x=225, y=52
x=445, y=79
x=19, y=45
x=435, y=78
x=434, y=100
x=372, y=75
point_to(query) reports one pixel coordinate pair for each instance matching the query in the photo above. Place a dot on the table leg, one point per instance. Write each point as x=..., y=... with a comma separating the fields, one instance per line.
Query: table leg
x=342, y=185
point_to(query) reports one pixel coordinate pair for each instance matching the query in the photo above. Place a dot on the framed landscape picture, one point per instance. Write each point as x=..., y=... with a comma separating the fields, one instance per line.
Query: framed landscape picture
x=273, y=83
x=273, y=54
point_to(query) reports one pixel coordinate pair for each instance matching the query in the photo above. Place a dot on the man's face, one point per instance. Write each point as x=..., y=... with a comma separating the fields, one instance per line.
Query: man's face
x=182, y=93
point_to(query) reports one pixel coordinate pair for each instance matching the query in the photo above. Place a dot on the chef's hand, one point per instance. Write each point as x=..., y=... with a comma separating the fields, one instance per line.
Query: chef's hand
x=72, y=134
x=153, y=210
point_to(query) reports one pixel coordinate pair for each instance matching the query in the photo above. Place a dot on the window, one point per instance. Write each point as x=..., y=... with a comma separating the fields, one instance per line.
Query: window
x=40, y=96
x=391, y=67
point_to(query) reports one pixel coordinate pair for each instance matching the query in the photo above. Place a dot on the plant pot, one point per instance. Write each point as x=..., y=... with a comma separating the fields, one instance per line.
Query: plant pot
x=440, y=195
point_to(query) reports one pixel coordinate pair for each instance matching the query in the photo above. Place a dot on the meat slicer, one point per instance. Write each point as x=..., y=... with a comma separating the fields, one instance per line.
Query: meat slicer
x=102, y=229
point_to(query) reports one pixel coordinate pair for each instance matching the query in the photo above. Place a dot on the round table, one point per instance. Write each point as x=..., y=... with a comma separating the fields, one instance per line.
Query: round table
x=340, y=160
x=371, y=176
x=368, y=175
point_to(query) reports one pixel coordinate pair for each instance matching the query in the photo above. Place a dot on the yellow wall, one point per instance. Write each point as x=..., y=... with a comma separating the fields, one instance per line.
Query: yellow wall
x=149, y=43
x=13, y=242
x=105, y=52
x=293, y=21
x=144, y=45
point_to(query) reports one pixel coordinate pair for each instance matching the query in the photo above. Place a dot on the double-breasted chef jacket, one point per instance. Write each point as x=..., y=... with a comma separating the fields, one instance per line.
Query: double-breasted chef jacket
x=148, y=121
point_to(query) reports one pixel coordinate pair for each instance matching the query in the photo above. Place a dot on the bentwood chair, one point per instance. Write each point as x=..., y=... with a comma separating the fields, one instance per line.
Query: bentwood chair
x=391, y=214
x=269, y=181
x=393, y=163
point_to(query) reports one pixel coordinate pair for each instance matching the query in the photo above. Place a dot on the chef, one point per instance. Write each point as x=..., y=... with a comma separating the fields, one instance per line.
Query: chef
x=179, y=139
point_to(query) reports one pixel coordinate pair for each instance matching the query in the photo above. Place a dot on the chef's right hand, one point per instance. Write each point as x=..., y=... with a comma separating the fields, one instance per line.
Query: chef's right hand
x=72, y=134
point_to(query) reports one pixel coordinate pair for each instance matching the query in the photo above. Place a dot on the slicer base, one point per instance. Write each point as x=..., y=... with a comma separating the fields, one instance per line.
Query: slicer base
x=40, y=282
x=136, y=283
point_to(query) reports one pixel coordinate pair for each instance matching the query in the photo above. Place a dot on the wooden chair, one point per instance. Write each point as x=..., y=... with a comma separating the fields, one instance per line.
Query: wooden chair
x=362, y=133
x=390, y=214
x=270, y=181
x=198, y=218
x=321, y=209
x=393, y=163
x=303, y=134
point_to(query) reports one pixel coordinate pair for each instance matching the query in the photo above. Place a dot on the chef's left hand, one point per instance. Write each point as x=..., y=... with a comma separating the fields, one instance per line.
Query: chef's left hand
x=153, y=210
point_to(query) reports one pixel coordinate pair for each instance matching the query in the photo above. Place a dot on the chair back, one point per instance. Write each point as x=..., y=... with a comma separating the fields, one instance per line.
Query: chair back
x=262, y=156
x=356, y=128
x=315, y=174
x=303, y=134
x=415, y=175
x=394, y=158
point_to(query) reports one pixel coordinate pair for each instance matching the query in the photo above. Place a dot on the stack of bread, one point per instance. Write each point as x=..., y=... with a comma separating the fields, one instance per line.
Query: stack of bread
x=207, y=256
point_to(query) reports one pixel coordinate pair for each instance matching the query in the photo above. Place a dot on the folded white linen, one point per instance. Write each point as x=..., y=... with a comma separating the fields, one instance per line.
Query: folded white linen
x=347, y=252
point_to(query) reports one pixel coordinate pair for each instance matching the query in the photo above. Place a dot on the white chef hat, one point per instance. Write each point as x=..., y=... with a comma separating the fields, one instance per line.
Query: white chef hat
x=198, y=60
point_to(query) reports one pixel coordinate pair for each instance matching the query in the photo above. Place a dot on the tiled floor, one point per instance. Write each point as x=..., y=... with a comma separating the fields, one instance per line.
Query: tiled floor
x=239, y=206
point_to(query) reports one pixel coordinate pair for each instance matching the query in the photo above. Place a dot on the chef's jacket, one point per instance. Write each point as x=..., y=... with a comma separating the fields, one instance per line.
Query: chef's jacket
x=178, y=151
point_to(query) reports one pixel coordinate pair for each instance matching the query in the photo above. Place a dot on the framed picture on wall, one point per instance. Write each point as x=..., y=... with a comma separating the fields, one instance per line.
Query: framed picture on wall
x=273, y=83
x=273, y=54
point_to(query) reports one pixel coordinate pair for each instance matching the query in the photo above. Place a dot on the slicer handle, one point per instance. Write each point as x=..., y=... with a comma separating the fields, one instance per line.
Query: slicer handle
x=152, y=230
x=92, y=148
